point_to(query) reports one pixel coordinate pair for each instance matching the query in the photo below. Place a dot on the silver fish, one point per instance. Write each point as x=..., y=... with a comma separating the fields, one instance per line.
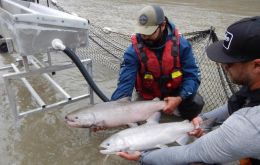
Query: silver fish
x=147, y=136
x=114, y=113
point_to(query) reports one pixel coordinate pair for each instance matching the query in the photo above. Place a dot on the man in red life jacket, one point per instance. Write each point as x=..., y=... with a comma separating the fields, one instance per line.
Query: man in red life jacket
x=160, y=64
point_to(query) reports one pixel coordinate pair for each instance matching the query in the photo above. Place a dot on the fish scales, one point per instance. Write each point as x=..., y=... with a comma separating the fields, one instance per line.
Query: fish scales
x=114, y=113
x=145, y=137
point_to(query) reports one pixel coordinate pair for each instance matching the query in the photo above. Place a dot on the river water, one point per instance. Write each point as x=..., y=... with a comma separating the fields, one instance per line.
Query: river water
x=43, y=138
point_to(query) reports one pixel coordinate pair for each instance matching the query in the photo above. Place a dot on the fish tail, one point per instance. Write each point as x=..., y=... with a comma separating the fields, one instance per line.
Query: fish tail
x=208, y=124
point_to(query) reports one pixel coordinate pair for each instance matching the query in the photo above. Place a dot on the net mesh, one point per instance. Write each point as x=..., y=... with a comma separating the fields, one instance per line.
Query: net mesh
x=107, y=48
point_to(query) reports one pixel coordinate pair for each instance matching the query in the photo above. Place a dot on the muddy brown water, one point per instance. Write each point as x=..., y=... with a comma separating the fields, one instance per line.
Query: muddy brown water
x=43, y=138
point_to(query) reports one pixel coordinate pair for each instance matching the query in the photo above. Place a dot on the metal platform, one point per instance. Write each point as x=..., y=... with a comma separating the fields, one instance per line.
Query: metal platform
x=29, y=29
x=33, y=26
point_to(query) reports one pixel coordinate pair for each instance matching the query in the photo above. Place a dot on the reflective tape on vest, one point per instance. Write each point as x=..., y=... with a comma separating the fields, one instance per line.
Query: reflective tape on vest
x=148, y=76
x=176, y=74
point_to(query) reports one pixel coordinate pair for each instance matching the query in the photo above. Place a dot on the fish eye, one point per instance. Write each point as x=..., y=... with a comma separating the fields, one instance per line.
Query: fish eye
x=76, y=117
x=108, y=144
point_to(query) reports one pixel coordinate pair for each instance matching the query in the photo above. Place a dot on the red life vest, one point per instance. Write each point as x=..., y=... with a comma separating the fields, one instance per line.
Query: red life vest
x=158, y=78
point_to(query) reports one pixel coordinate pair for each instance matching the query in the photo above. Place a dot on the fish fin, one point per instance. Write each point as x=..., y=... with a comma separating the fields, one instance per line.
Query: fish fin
x=161, y=146
x=208, y=124
x=131, y=125
x=156, y=99
x=154, y=118
x=185, y=121
x=184, y=139
x=124, y=100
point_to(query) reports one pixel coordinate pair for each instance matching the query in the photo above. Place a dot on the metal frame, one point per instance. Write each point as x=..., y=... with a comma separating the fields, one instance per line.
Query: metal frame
x=43, y=70
x=32, y=27
x=29, y=29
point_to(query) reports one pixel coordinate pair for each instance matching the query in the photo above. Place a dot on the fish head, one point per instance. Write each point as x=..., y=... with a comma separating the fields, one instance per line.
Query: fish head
x=80, y=120
x=113, y=145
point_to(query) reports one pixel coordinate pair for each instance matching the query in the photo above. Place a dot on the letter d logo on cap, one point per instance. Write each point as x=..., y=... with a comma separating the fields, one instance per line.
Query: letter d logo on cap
x=227, y=40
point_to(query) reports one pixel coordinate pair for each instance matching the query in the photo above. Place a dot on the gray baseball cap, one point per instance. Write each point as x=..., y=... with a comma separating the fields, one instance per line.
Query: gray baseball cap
x=148, y=20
